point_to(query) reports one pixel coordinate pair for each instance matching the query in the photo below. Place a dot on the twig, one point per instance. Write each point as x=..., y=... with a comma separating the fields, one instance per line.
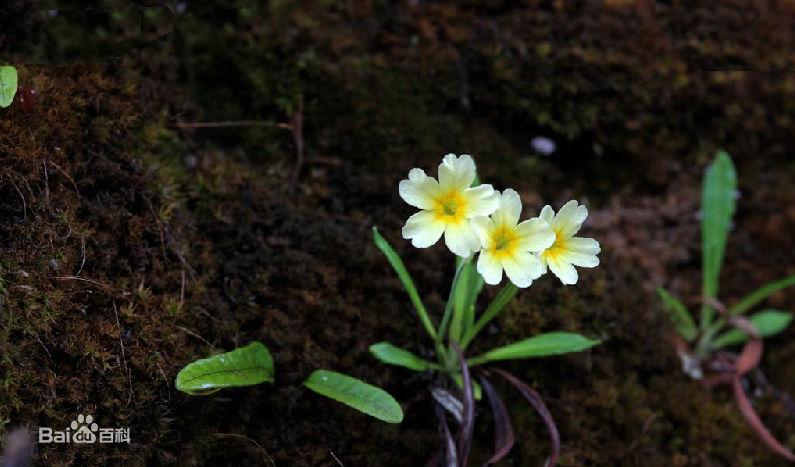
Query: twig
x=66, y=175
x=228, y=124
x=123, y=355
x=339, y=462
x=46, y=186
x=44, y=346
x=24, y=203
x=182, y=289
x=82, y=255
x=75, y=278
x=188, y=331
x=297, y=127
x=646, y=425
x=262, y=450
x=167, y=238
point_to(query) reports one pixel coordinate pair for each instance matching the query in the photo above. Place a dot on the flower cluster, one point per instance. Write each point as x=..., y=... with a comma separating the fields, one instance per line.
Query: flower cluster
x=481, y=219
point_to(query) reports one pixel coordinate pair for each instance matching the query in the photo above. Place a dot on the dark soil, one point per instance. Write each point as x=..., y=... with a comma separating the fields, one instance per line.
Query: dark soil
x=131, y=247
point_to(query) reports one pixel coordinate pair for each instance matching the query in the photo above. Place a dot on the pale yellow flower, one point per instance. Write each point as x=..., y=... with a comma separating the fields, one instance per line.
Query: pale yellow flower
x=509, y=245
x=568, y=251
x=447, y=206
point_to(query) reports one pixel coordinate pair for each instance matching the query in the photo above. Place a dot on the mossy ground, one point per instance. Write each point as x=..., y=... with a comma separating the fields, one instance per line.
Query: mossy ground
x=130, y=247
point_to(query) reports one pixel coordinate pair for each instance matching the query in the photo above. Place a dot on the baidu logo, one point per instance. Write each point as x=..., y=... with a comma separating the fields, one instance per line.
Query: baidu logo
x=83, y=430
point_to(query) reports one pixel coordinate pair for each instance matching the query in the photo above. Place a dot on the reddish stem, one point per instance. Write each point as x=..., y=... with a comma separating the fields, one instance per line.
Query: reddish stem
x=756, y=423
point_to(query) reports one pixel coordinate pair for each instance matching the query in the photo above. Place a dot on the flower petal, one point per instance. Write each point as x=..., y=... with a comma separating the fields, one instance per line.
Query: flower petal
x=489, y=267
x=456, y=172
x=419, y=190
x=547, y=214
x=510, y=208
x=416, y=174
x=461, y=239
x=423, y=229
x=522, y=269
x=583, y=260
x=541, y=259
x=583, y=245
x=481, y=200
x=483, y=227
x=565, y=271
x=535, y=235
x=569, y=219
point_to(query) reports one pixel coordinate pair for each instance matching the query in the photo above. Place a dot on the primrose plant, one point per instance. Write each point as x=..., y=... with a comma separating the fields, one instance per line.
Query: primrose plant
x=703, y=347
x=476, y=220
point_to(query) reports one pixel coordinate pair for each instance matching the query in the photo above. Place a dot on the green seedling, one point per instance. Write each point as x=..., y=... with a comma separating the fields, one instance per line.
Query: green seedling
x=703, y=345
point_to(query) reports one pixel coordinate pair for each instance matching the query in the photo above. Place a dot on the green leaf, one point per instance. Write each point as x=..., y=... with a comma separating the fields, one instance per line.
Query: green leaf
x=717, y=206
x=355, y=393
x=8, y=85
x=496, y=306
x=245, y=366
x=393, y=355
x=678, y=313
x=553, y=343
x=477, y=392
x=464, y=296
x=767, y=322
x=405, y=278
x=760, y=294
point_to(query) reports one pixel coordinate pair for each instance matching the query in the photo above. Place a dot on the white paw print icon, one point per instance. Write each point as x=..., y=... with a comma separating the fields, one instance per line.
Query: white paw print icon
x=84, y=428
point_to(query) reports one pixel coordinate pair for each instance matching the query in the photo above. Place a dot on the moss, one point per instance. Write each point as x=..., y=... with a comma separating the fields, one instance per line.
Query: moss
x=131, y=248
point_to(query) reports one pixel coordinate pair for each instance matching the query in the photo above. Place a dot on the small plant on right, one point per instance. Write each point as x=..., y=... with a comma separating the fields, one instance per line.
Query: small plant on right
x=703, y=347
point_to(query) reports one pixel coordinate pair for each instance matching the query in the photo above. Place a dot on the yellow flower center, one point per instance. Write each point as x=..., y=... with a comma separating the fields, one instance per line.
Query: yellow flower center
x=504, y=241
x=557, y=248
x=451, y=207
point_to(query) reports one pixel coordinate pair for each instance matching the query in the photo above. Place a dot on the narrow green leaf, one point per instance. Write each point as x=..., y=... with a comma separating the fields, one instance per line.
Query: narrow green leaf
x=465, y=296
x=245, y=366
x=476, y=284
x=717, y=206
x=405, y=279
x=496, y=306
x=553, y=343
x=355, y=393
x=8, y=85
x=760, y=294
x=477, y=391
x=678, y=313
x=767, y=322
x=393, y=355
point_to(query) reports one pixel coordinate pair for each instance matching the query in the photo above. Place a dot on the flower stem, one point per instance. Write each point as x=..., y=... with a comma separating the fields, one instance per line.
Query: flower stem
x=448, y=308
x=703, y=346
x=495, y=307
